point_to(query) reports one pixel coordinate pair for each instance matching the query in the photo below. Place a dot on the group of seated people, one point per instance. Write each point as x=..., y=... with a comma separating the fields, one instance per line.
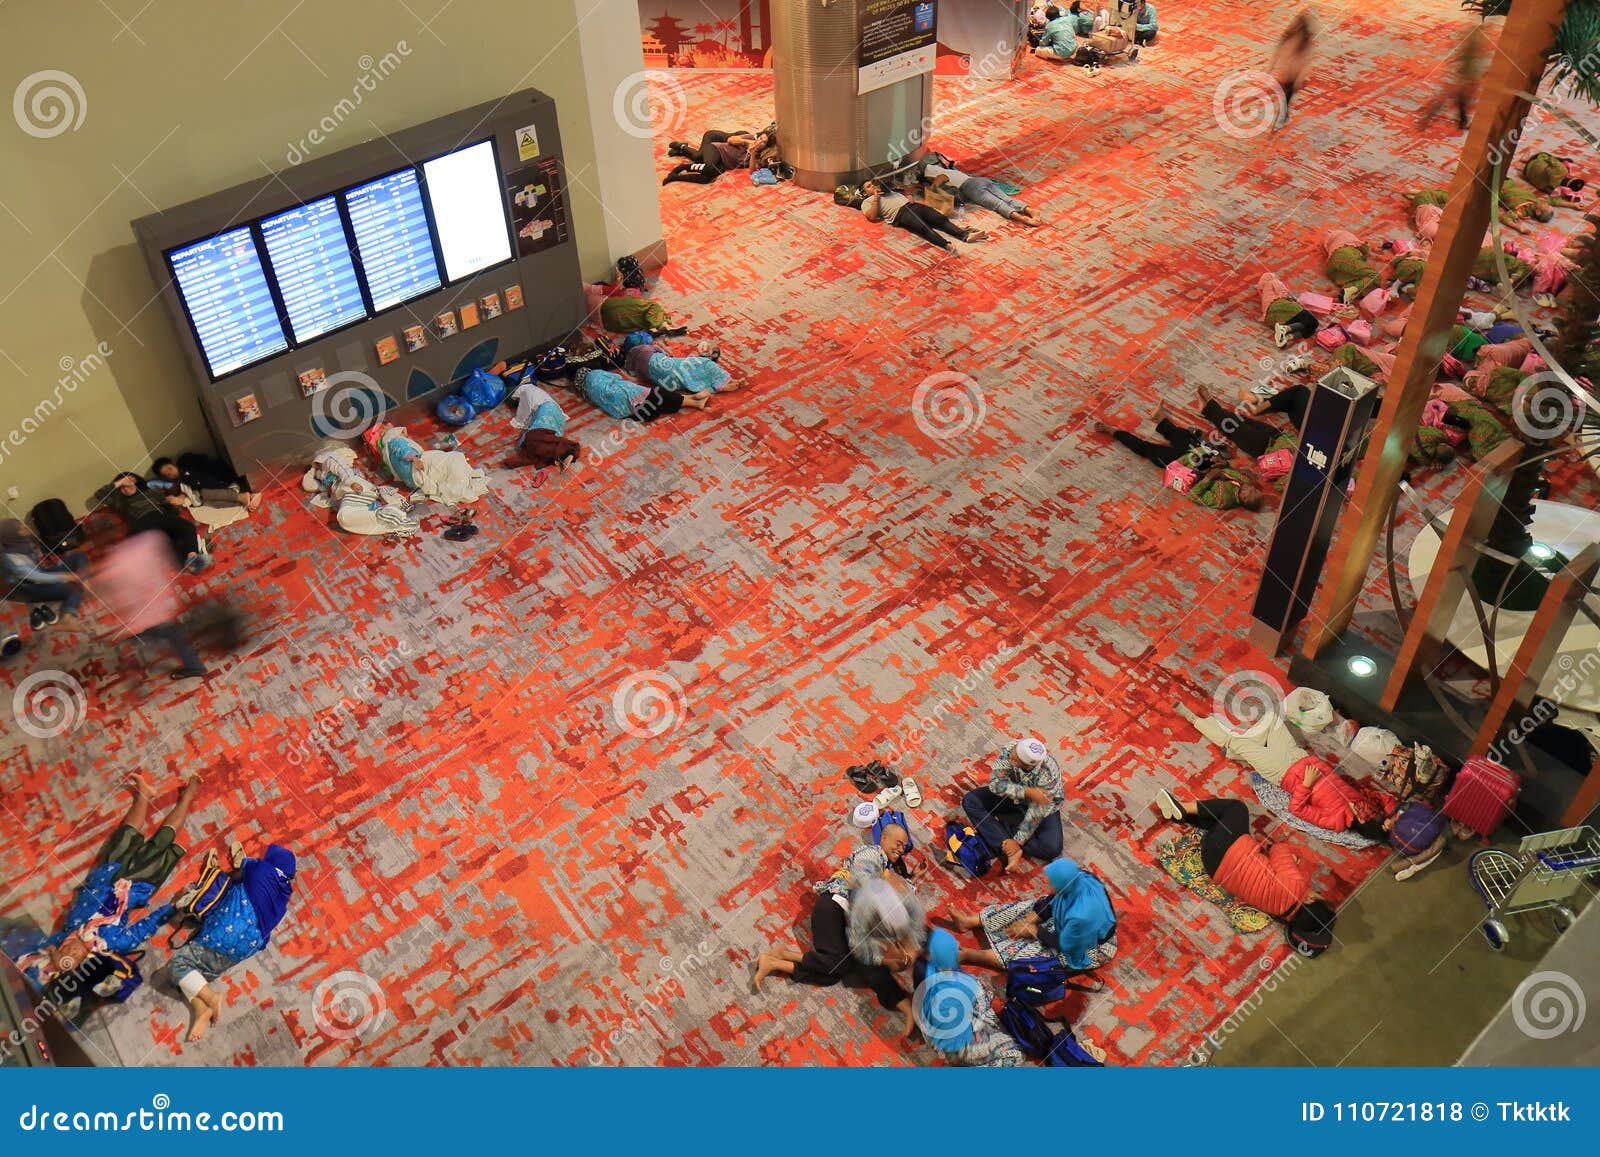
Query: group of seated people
x=94, y=956
x=870, y=921
x=1055, y=33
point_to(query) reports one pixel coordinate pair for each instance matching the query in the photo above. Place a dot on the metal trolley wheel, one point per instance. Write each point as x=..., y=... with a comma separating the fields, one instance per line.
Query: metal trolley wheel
x=1562, y=917
x=1496, y=933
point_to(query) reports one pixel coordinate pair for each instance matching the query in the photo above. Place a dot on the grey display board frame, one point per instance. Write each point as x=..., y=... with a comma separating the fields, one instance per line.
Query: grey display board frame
x=292, y=424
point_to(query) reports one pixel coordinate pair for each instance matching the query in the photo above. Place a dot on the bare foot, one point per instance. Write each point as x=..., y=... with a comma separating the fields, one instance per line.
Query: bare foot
x=766, y=965
x=729, y=386
x=1159, y=413
x=1203, y=392
x=977, y=235
x=253, y=503
x=696, y=401
x=200, y=1017
x=140, y=786
x=1100, y=427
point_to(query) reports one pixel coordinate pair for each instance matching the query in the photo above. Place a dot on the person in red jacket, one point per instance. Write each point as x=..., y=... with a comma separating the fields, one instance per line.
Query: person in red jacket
x=1319, y=795
x=1267, y=876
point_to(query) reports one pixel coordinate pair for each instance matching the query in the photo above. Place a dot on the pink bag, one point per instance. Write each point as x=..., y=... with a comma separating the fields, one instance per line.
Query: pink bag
x=1331, y=338
x=1180, y=477
x=1452, y=366
x=1374, y=302
x=1360, y=332
x=1275, y=465
x=1318, y=303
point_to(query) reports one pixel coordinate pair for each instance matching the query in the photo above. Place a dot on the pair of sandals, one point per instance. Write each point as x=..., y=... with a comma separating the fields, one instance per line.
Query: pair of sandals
x=873, y=776
x=461, y=528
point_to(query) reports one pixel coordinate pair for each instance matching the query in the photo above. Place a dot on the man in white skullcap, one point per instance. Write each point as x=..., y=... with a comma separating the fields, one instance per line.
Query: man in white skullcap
x=1019, y=813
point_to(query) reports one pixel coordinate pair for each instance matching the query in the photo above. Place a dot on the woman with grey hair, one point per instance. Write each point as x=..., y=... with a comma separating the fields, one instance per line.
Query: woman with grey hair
x=869, y=934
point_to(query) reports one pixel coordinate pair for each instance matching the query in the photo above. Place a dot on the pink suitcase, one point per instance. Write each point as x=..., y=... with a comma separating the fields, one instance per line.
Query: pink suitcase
x=1331, y=338
x=1482, y=795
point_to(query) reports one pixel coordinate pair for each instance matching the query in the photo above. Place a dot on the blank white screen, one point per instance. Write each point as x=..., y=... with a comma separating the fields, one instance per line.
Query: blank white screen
x=469, y=210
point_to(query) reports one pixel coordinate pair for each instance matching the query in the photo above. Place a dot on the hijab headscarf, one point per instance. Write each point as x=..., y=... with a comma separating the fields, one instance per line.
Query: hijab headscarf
x=1081, y=910
x=948, y=997
x=637, y=338
x=269, y=882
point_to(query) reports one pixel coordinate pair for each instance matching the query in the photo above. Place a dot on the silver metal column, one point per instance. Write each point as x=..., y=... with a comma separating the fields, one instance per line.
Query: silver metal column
x=828, y=133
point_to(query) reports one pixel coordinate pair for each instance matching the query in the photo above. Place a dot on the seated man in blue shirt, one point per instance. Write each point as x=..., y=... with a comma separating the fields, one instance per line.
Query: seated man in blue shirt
x=1019, y=813
x=1144, y=23
x=1059, y=39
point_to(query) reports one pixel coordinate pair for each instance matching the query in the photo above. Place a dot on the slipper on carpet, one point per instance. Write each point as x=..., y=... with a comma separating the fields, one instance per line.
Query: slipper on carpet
x=1180, y=858
x=1276, y=800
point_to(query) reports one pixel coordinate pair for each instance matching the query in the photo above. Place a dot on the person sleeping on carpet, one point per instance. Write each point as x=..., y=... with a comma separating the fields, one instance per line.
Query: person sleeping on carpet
x=870, y=932
x=884, y=204
x=544, y=425
x=648, y=361
x=623, y=399
x=1076, y=923
x=1191, y=465
x=1270, y=877
x=985, y=192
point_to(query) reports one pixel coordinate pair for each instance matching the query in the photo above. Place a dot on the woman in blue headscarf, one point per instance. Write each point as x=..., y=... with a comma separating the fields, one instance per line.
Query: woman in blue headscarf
x=956, y=1011
x=1075, y=923
x=239, y=925
x=647, y=360
x=623, y=399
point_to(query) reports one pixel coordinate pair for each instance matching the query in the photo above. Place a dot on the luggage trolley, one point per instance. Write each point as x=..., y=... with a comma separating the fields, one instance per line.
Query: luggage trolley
x=1545, y=871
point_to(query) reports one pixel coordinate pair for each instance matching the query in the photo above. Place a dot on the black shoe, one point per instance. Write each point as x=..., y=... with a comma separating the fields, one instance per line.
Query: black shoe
x=673, y=331
x=680, y=149
x=182, y=673
x=43, y=615
x=861, y=777
x=884, y=776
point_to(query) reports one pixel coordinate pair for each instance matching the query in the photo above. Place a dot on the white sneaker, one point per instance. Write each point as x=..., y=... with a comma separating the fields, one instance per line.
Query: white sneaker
x=1281, y=335
x=1407, y=872
x=1297, y=364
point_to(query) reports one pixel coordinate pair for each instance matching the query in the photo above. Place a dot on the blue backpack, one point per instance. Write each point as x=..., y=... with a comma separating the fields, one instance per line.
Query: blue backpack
x=1027, y=1028
x=1037, y=980
x=963, y=848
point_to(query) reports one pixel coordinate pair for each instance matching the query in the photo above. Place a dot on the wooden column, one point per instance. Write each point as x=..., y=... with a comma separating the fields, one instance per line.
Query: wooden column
x=1557, y=609
x=1517, y=68
x=1476, y=507
x=1587, y=799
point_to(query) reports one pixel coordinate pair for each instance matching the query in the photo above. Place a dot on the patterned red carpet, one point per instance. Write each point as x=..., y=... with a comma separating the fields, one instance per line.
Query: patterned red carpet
x=553, y=788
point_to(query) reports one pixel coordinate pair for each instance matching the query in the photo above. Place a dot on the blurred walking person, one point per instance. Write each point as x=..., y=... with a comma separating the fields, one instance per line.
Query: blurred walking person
x=1289, y=61
x=1468, y=63
x=137, y=583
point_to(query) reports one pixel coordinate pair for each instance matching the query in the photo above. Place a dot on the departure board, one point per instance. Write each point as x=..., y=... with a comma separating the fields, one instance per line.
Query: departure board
x=224, y=291
x=393, y=239
x=316, y=276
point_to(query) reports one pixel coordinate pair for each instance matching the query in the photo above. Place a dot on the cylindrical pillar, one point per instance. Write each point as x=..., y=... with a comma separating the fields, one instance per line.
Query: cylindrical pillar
x=830, y=131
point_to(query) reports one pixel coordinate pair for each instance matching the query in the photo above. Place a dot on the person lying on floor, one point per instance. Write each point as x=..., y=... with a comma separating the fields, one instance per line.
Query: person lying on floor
x=1076, y=923
x=1193, y=467
x=717, y=154
x=872, y=932
x=543, y=424
x=625, y=314
x=883, y=204
x=1019, y=813
x=985, y=192
x=1273, y=447
x=1290, y=321
x=1547, y=172
x=142, y=509
x=1058, y=39
x=238, y=926
x=130, y=869
x=1269, y=877
x=956, y=1012
x=210, y=478
x=649, y=361
x=887, y=854
x=623, y=399
x=54, y=589
x=1347, y=265
x=1324, y=798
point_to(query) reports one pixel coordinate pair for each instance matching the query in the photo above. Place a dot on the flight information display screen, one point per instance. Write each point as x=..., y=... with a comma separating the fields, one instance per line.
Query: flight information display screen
x=393, y=239
x=224, y=291
x=469, y=209
x=316, y=275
